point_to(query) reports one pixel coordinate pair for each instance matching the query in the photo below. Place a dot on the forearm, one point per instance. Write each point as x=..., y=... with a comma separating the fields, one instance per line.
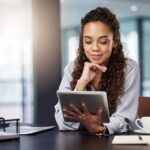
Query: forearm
x=81, y=85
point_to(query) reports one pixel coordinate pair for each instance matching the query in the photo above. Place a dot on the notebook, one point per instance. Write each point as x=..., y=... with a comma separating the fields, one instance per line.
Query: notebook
x=24, y=130
x=8, y=136
x=131, y=139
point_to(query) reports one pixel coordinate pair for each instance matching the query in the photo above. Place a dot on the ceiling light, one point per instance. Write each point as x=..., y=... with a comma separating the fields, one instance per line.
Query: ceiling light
x=133, y=8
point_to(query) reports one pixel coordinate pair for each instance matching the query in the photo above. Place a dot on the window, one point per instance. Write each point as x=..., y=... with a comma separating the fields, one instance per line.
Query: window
x=145, y=60
x=16, y=59
x=129, y=38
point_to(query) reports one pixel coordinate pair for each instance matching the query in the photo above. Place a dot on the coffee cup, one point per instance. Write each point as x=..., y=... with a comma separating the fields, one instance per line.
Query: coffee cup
x=143, y=123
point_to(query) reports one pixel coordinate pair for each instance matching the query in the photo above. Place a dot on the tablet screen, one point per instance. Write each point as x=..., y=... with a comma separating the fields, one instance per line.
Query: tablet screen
x=93, y=99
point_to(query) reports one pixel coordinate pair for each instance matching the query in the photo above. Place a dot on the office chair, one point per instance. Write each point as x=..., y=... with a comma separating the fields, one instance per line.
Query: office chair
x=144, y=106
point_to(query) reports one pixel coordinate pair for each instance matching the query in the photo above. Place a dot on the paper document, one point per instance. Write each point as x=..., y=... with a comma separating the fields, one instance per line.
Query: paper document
x=131, y=139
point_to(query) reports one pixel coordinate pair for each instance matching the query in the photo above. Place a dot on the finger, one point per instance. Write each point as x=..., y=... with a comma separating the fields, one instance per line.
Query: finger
x=74, y=117
x=99, y=113
x=100, y=67
x=68, y=112
x=71, y=117
x=75, y=109
x=85, y=108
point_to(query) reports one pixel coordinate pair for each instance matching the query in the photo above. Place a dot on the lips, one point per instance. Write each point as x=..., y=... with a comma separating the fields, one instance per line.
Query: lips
x=96, y=57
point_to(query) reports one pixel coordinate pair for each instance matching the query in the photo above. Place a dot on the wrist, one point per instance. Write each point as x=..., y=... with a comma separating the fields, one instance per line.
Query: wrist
x=102, y=130
x=81, y=85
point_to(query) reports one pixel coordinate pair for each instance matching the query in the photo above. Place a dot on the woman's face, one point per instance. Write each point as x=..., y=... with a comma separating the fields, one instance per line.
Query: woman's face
x=97, y=42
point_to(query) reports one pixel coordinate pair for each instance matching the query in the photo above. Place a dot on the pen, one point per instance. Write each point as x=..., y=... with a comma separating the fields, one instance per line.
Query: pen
x=140, y=138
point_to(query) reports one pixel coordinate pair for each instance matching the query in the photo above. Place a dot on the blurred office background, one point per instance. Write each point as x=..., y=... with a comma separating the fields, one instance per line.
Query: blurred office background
x=39, y=37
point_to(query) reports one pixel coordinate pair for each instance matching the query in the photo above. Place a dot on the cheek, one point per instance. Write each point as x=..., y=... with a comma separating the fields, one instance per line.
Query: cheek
x=107, y=51
x=107, y=48
x=87, y=49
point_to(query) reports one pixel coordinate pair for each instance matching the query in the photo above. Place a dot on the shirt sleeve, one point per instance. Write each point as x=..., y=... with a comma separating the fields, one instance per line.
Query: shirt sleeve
x=124, y=117
x=65, y=85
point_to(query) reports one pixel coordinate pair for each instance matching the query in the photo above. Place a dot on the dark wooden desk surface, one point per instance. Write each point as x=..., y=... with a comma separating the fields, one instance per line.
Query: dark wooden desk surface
x=55, y=140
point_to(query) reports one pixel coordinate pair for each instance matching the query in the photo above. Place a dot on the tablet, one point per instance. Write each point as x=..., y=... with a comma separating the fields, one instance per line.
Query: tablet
x=93, y=99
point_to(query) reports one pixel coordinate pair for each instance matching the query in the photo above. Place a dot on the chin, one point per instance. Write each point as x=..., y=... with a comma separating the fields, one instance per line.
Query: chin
x=96, y=62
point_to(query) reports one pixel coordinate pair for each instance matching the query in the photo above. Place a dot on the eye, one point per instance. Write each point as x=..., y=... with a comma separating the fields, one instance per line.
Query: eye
x=103, y=41
x=87, y=42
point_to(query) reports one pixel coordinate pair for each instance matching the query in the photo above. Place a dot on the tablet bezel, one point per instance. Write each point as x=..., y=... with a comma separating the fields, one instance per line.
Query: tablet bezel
x=77, y=97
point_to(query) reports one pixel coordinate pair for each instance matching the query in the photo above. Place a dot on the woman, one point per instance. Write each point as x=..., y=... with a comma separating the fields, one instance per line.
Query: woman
x=101, y=66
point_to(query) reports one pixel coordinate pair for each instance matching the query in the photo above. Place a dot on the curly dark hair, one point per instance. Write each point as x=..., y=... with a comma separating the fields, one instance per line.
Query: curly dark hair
x=113, y=79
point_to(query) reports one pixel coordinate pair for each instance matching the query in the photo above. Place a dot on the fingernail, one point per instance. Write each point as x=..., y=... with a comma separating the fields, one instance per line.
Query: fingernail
x=105, y=69
x=65, y=115
x=83, y=104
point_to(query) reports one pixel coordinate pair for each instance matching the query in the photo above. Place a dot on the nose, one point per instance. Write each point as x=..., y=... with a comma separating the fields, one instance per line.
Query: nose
x=95, y=46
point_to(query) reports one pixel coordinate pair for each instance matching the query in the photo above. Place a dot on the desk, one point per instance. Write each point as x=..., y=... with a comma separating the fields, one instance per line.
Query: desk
x=55, y=140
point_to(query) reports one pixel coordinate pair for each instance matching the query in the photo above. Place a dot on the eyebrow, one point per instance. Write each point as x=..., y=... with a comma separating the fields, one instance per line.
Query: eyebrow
x=101, y=37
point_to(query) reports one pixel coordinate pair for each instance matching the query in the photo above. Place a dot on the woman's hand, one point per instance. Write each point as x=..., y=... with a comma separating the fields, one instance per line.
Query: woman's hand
x=93, y=123
x=89, y=73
